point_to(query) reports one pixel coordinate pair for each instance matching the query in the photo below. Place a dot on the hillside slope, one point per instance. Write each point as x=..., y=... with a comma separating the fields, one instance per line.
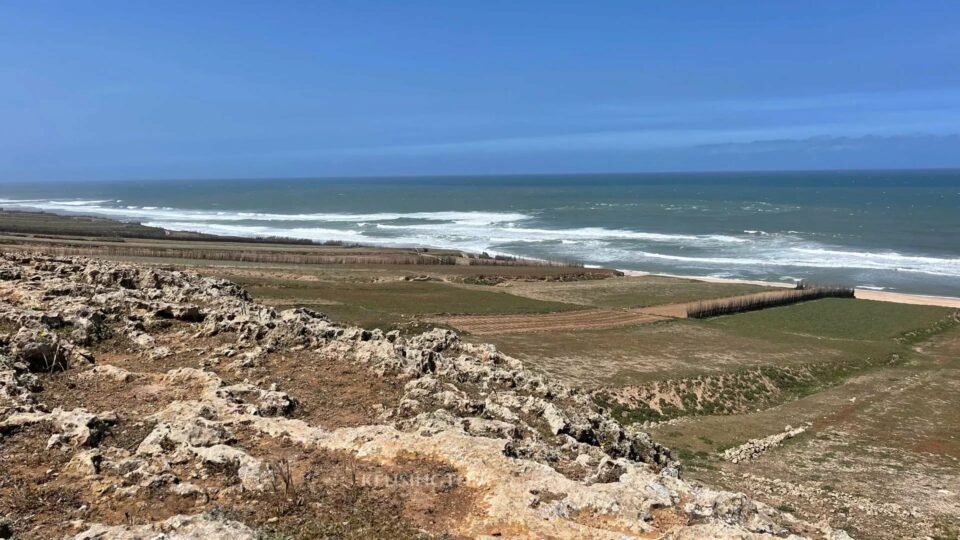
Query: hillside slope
x=145, y=403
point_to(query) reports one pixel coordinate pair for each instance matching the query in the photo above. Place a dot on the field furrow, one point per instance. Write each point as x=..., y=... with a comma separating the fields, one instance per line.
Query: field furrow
x=575, y=320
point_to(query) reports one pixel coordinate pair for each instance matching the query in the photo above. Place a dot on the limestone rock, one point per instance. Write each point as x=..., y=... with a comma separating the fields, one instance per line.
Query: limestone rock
x=178, y=527
x=755, y=447
x=107, y=372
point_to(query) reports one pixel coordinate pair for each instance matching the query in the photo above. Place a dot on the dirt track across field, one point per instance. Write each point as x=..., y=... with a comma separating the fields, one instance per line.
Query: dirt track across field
x=541, y=322
x=578, y=320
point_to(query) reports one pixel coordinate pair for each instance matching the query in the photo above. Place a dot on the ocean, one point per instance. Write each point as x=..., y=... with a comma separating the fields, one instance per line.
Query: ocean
x=887, y=230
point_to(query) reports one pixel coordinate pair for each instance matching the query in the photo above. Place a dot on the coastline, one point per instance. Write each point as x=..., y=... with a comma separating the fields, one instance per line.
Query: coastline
x=135, y=229
x=863, y=294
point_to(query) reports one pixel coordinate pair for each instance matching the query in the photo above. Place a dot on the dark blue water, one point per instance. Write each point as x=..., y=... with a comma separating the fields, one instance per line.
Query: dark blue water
x=897, y=230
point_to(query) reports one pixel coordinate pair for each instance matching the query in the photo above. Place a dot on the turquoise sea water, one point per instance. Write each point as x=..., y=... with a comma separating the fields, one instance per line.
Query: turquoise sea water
x=896, y=230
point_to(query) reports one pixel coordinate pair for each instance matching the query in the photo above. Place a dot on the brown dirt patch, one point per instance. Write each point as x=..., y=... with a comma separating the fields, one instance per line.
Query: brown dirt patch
x=546, y=322
x=140, y=396
x=322, y=493
x=331, y=393
x=941, y=447
x=33, y=491
x=178, y=336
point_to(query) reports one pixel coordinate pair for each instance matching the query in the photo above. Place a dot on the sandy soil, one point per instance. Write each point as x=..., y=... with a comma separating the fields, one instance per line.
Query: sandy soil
x=902, y=298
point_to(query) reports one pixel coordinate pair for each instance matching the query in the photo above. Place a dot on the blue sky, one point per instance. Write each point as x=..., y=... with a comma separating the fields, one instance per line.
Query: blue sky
x=103, y=90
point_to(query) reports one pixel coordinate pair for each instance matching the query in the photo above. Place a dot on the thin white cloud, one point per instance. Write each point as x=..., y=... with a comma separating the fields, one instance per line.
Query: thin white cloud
x=900, y=100
x=650, y=139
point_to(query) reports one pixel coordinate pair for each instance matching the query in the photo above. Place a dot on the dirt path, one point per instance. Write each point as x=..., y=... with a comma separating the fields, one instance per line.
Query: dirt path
x=573, y=320
x=542, y=322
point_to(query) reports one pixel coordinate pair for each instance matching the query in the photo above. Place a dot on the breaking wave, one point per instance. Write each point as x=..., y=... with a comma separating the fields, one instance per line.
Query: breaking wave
x=823, y=258
x=517, y=233
x=164, y=214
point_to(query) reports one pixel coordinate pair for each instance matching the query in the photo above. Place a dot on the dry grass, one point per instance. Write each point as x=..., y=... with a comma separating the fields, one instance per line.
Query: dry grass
x=631, y=291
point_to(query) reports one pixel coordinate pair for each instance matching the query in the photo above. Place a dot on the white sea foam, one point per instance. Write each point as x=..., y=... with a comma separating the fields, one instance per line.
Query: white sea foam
x=181, y=215
x=514, y=233
x=254, y=231
x=324, y=234
x=877, y=257
x=80, y=203
x=826, y=258
x=510, y=232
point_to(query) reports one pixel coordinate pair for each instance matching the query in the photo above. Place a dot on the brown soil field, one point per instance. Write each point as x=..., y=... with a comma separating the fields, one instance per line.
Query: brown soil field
x=628, y=292
x=483, y=325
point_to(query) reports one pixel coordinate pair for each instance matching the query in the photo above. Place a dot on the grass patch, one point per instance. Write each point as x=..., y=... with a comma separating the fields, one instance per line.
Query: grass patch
x=833, y=318
x=394, y=303
x=634, y=291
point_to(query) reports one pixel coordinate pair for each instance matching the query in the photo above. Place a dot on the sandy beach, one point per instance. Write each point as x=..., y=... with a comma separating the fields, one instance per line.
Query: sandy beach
x=904, y=298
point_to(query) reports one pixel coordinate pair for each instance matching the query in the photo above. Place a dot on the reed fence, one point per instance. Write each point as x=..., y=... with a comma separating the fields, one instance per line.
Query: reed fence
x=727, y=306
x=277, y=256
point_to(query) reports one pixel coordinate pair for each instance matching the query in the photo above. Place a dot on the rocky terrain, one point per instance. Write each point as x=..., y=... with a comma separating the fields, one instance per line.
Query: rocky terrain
x=755, y=447
x=146, y=403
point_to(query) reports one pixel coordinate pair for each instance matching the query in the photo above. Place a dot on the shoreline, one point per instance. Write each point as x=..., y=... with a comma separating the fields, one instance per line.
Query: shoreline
x=862, y=294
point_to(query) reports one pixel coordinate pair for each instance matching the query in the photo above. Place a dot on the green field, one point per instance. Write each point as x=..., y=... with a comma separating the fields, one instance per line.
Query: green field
x=790, y=335
x=836, y=319
x=630, y=292
x=392, y=303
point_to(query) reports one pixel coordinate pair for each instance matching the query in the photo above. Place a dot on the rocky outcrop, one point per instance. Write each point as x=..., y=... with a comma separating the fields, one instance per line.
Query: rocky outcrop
x=73, y=428
x=546, y=460
x=753, y=448
x=177, y=527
